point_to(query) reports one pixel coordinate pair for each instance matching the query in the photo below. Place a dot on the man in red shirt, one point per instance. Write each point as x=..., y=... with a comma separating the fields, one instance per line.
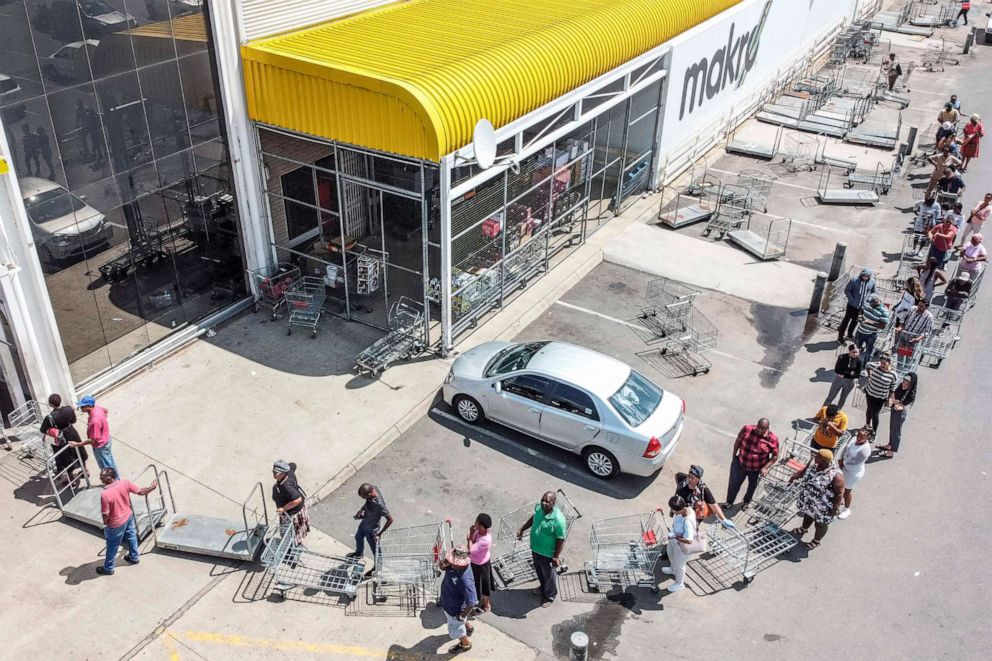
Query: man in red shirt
x=942, y=238
x=755, y=452
x=118, y=518
x=97, y=433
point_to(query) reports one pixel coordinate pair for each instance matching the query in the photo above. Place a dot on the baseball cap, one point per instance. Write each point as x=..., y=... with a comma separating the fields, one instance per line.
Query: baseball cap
x=88, y=400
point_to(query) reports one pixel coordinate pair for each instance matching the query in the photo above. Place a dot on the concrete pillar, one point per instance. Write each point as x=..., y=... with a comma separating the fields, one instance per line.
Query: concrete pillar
x=580, y=646
x=819, y=287
x=840, y=251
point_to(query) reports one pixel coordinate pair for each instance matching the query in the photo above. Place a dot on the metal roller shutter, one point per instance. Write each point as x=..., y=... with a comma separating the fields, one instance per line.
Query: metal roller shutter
x=262, y=18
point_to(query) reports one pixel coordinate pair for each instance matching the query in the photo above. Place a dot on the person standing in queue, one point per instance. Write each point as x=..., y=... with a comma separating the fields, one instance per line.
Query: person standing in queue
x=691, y=488
x=369, y=517
x=118, y=518
x=755, y=452
x=548, y=529
x=290, y=500
x=480, y=540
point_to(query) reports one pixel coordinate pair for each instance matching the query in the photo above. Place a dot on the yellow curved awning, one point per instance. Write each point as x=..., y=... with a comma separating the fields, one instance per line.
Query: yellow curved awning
x=414, y=78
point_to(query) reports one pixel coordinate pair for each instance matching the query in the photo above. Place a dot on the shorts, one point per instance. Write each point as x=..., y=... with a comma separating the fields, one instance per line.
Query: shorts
x=456, y=627
x=483, y=575
x=851, y=481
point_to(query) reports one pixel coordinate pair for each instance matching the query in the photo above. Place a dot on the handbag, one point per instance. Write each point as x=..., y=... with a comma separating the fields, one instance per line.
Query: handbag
x=698, y=545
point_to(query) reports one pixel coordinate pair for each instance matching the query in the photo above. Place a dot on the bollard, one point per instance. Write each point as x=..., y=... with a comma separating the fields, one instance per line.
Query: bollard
x=819, y=287
x=911, y=140
x=580, y=646
x=969, y=40
x=835, y=266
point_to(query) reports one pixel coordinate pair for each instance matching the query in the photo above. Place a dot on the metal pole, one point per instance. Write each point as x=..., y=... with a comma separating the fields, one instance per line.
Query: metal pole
x=840, y=250
x=445, y=188
x=816, y=302
x=580, y=646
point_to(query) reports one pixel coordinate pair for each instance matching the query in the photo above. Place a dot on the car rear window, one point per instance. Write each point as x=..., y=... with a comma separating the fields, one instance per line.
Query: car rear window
x=636, y=399
x=7, y=85
x=513, y=358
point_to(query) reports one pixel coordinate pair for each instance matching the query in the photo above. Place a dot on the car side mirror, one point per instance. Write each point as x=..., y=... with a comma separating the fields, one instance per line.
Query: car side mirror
x=498, y=386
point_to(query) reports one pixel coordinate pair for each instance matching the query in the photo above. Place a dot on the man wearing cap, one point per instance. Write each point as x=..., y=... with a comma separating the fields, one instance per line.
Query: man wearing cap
x=857, y=292
x=118, y=518
x=97, y=433
x=547, y=539
x=691, y=488
x=458, y=597
x=820, y=496
x=874, y=318
x=289, y=499
x=755, y=452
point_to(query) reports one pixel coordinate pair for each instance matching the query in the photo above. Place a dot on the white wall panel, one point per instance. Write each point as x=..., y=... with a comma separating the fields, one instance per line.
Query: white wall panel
x=262, y=18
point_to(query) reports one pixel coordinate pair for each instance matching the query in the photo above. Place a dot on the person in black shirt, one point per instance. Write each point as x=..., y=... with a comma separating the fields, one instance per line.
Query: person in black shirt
x=847, y=369
x=289, y=499
x=691, y=488
x=369, y=517
x=900, y=401
x=61, y=420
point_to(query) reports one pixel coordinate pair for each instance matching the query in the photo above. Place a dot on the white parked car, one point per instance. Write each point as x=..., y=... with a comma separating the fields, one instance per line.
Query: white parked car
x=69, y=62
x=100, y=17
x=572, y=397
x=8, y=87
x=63, y=225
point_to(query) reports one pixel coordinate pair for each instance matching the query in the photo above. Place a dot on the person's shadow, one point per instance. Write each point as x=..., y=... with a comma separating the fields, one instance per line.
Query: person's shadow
x=515, y=604
x=425, y=649
x=82, y=573
x=823, y=375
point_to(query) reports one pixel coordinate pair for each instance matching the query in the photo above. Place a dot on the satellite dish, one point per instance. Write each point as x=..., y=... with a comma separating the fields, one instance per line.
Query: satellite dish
x=484, y=143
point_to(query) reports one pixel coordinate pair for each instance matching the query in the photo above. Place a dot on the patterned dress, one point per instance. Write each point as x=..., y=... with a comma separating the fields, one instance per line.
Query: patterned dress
x=816, y=497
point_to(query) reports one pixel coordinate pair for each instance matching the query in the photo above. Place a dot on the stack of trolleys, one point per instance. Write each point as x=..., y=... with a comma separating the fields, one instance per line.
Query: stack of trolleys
x=670, y=317
x=626, y=550
x=404, y=340
x=945, y=334
x=407, y=563
x=512, y=561
x=305, y=302
x=269, y=286
x=735, y=205
x=293, y=565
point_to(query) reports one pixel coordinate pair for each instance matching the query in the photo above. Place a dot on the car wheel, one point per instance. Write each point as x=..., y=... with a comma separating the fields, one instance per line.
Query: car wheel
x=468, y=409
x=601, y=463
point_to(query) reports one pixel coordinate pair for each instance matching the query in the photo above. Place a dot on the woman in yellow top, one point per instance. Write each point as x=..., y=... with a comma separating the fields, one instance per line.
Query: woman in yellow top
x=831, y=423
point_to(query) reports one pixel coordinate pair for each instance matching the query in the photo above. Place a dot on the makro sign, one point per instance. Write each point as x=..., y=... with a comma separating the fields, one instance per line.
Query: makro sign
x=726, y=67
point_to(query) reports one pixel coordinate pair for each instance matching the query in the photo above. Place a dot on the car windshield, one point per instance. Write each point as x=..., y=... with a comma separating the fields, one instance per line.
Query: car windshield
x=52, y=204
x=513, y=358
x=636, y=399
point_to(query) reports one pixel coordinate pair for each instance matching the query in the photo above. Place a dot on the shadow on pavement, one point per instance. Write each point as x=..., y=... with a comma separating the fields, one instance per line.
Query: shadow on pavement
x=425, y=649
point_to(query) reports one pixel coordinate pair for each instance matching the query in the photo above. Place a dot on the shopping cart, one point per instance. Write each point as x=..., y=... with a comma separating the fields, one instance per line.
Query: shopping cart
x=513, y=562
x=268, y=287
x=758, y=186
x=945, y=335
x=625, y=551
x=407, y=563
x=752, y=548
x=25, y=425
x=305, y=301
x=292, y=565
x=735, y=205
x=669, y=307
x=404, y=340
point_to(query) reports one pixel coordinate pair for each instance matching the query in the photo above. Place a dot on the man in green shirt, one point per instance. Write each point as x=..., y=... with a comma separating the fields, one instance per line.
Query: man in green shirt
x=547, y=538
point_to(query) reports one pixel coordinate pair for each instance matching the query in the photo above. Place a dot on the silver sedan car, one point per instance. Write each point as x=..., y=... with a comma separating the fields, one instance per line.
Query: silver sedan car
x=575, y=398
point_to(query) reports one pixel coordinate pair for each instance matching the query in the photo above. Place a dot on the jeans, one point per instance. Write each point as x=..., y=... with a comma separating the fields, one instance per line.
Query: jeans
x=874, y=407
x=365, y=533
x=848, y=323
x=841, y=385
x=114, y=536
x=866, y=344
x=896, y=420
x=737, y=476
x=104, y=459
x=547, y=577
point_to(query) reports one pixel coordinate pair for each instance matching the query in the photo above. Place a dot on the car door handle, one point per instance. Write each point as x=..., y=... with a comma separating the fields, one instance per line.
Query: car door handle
x=588, y=427
x=533, y=410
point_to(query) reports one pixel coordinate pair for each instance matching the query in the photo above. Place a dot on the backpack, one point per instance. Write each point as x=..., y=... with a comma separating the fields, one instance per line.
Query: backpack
x=898, y=69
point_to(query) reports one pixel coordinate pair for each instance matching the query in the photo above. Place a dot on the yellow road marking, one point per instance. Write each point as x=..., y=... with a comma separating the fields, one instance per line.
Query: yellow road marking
x=353, y=651
x=170, y=646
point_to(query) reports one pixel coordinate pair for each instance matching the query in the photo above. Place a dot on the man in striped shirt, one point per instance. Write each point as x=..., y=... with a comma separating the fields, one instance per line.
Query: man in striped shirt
x=874, y=318
x=881, y=382
x=918, y=324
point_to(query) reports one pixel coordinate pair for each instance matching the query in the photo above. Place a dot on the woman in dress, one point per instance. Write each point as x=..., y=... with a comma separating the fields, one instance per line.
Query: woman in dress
x=900, y=402
x=820, y=496
x=973, y=134
x=852, y=464
x=910, y=295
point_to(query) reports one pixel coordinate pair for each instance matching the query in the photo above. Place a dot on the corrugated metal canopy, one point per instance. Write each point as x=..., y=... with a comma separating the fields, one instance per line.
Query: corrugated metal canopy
x=414, y=78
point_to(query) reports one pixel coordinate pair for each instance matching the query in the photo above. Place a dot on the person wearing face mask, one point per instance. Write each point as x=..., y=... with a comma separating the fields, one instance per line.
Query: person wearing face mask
x=847, y=369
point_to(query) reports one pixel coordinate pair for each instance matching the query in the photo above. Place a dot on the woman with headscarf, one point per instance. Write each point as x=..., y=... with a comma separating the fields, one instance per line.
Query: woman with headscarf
x=683, y=541
x=973, y=134
x=289, y=499
x=900, y=402
x=820, y=496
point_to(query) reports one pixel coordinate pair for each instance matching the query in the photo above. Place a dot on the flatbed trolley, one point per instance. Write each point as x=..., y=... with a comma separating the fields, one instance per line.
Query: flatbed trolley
x=692, y=204
x=293, y=565
x=269, y=286
x=407, y=563
x=626, y=550
x=305, y=302
x=512, y=561
x=404, y=340
x=750, y=549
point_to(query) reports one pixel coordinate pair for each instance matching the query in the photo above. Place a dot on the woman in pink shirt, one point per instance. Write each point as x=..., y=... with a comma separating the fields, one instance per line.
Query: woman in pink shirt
x=973, y=134
x=977, y=218
x=480, y=540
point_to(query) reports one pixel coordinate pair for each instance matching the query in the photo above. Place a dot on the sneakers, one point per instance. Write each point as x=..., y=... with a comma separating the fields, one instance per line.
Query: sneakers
x=668, y=570
x=745, y=506
x=726, y=506
x=675, y=587
x=130, y=560
x=843, y=515
x=354, y=554
x=104, y=572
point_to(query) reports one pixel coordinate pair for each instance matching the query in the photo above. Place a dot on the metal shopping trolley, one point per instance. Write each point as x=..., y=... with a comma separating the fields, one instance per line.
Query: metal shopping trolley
x=25, y=425
x=407, y=563
x=404, y=340
x=512, y=562
x=305, y=302
x=626, y=550
x=669, y=307
x=945, y=335
x=750, y=549
x=293, y=565
x=268, y=287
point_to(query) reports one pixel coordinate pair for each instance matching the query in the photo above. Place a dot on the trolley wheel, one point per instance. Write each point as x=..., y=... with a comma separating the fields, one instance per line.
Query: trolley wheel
x=601, y=463
x=273, y=317
x=663, y=351
x=313, y=334
x=468, y=409
x=289, y=331
x=655, y=589
x=747, y=580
